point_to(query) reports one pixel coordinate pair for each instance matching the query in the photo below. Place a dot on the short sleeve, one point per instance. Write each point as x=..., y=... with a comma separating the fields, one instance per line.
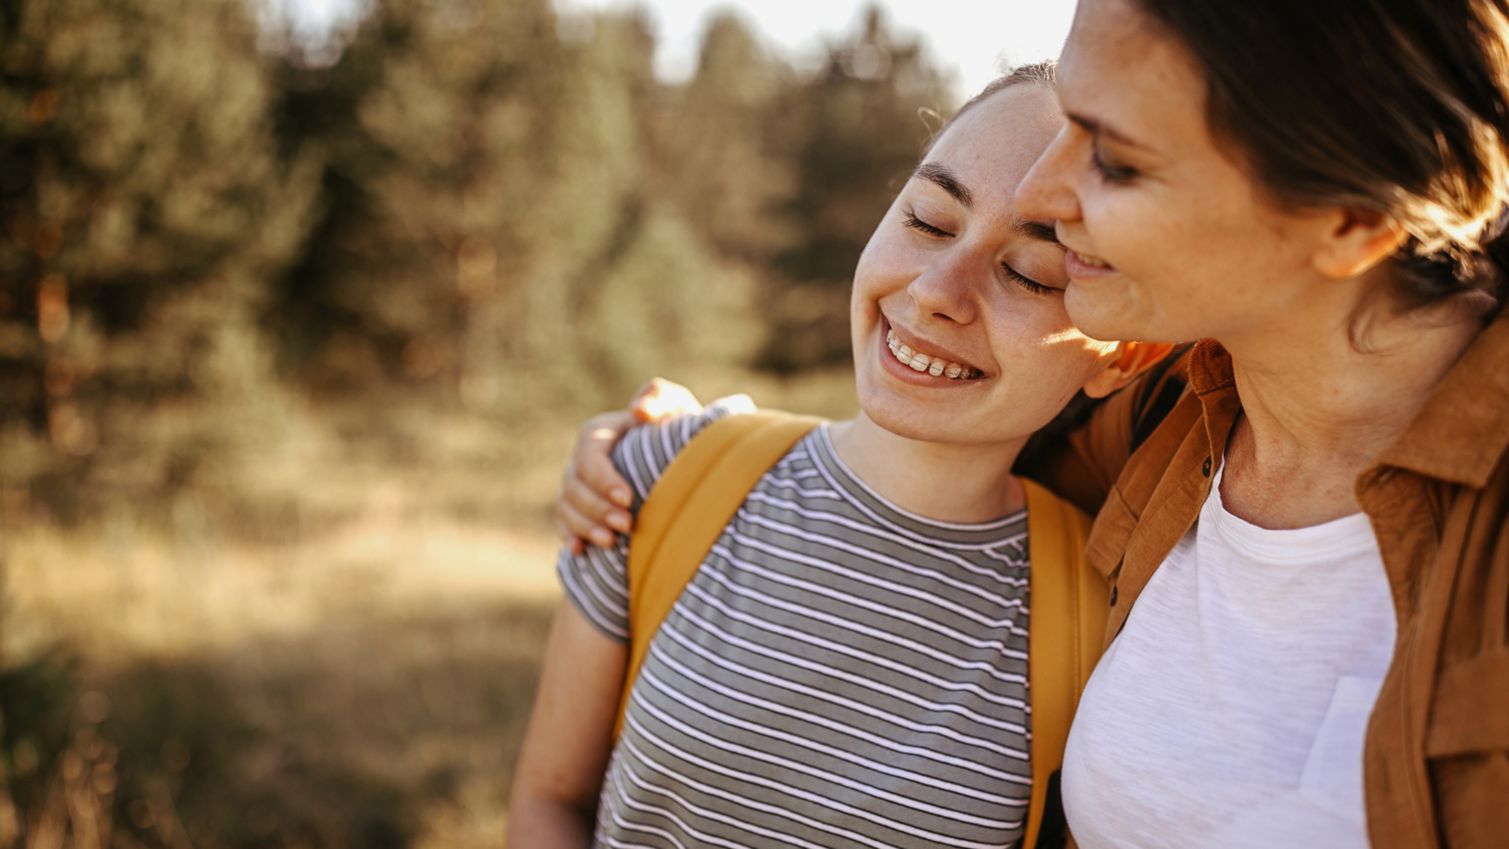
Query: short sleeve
x=597, y=580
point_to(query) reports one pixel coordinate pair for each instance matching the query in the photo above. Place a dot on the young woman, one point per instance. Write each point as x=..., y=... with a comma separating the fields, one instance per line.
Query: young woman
x=1309, y=560
x=849, y=665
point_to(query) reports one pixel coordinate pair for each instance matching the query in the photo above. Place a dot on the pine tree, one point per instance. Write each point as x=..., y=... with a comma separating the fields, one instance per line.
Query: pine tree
x=725, y=165
x=858, y=131
x=432, y=120
x=143, y=203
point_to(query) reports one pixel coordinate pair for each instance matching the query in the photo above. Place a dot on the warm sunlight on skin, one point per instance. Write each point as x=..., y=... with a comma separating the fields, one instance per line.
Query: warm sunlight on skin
x=959, y=276
x=1169, y=239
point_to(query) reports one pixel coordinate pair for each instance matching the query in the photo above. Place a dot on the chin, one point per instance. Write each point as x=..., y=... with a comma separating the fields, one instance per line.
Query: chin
x=908, y=419
x=1102, y=313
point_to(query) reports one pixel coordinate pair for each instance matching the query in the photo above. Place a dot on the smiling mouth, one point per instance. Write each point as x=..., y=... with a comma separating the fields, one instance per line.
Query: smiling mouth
x=1090, y=261
x=934, y=366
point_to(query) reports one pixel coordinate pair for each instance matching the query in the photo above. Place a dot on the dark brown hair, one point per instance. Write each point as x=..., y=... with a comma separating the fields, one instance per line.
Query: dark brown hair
x=1399, y=107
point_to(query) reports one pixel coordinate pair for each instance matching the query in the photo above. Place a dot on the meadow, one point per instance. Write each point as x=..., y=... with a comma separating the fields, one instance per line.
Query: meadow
x=294, y=339
x=335, y=646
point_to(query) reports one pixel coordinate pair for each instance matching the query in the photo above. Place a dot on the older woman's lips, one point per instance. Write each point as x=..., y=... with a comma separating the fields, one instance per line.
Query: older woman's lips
x=1081, y=265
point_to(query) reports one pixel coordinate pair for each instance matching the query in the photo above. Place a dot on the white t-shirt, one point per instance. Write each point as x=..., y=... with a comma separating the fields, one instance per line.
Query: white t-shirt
x=1231, y=709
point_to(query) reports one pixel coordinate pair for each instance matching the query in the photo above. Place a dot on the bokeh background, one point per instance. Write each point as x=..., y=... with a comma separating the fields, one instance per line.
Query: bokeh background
x=300, y=305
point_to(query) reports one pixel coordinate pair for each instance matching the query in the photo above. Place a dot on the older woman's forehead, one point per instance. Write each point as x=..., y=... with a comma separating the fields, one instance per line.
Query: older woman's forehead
x=1121, y=72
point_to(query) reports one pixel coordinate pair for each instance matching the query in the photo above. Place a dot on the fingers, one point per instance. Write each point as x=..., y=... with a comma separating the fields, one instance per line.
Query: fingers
x=661, y=399
x=569, y=541
x=592, y=461
x=588, y=515
x=594, y=498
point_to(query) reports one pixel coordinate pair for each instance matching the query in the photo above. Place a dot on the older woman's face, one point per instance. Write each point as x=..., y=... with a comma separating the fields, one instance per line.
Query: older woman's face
x=1169, y=239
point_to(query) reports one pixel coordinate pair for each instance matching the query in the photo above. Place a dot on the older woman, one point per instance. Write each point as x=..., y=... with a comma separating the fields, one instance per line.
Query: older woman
x=1309, y=560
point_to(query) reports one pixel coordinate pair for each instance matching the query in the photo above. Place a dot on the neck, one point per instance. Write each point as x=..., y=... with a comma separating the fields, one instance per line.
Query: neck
x=946, y=482
x=1317, y=412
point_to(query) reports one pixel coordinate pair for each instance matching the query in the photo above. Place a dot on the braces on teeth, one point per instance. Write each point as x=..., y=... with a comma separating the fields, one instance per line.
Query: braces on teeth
x=923, y=363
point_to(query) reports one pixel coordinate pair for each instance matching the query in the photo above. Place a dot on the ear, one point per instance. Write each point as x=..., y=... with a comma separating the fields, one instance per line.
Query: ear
x=1132, y=359
x=1355, y=240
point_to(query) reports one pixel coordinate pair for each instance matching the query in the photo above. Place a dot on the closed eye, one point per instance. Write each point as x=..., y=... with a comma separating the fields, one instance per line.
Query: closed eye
x=1026, y=282
x=918, y=224
x=1109, y=172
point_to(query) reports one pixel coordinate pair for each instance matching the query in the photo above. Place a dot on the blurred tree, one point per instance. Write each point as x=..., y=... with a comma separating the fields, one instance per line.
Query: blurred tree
x=858, y=130
x=432, y=120
x=585, y=218
x=143, y=204
x=723, y=155
x=491, y=173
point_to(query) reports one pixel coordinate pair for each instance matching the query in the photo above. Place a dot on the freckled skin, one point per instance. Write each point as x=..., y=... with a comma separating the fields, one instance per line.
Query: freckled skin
x=1197, y=252
x=954, y=293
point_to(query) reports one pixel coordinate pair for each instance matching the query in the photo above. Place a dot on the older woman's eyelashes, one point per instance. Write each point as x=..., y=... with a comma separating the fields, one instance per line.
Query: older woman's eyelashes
x=1109, y=171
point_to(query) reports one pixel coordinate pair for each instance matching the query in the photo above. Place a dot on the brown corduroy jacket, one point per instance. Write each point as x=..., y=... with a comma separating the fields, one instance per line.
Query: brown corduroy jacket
x=1436, y=760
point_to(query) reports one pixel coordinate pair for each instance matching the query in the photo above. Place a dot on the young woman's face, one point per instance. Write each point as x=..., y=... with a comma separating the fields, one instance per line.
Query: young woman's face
x=959, y=328
x=1168, y=235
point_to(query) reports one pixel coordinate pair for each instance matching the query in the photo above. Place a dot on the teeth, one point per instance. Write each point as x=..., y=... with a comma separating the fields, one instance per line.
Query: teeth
x=1091, y=261
x=923, y=363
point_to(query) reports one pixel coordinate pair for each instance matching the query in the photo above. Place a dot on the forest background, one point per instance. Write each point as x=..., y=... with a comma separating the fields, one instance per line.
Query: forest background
x=292, y=347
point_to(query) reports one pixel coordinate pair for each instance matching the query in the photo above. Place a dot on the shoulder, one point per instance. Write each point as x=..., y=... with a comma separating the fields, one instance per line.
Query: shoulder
x=645, y=451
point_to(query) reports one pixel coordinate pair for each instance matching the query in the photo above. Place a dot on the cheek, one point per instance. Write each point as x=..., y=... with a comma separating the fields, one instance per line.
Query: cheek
x=870, y=272
x=1123, y=223
x=1034, y=340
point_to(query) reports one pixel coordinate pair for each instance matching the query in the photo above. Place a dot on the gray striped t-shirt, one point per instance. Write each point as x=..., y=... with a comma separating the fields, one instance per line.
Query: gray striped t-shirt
x=839, y=672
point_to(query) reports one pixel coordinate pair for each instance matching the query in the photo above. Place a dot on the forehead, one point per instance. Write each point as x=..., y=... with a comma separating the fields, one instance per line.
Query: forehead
x=1121, y=68
x=992, y=145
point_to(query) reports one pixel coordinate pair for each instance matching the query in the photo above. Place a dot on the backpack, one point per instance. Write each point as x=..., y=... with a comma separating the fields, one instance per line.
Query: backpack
x=704, y=486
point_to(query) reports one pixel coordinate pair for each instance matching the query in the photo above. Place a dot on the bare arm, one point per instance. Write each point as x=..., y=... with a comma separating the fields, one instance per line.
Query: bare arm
x=570, y=737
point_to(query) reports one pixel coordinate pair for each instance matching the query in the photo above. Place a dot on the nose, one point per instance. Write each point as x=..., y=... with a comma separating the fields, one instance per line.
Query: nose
x=1047, y=192
x=948, y=288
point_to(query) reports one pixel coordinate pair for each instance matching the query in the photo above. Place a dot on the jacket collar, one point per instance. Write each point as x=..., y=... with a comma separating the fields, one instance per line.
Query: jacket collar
x=1459, y=436
x=1463, y=431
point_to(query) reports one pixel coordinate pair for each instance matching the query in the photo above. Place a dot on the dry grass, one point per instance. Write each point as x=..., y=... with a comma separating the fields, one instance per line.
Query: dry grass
x=334, y=645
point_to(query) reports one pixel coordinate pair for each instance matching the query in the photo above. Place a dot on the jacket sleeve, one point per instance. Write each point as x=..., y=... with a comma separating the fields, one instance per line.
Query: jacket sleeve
x=1081, y=453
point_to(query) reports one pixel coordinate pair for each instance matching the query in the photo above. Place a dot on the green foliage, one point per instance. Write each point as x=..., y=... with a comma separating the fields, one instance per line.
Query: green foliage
x=725, y=140
x=143, y=207
x=477, y=203
x=858, y=132
x=431, y=121
x=479, y=198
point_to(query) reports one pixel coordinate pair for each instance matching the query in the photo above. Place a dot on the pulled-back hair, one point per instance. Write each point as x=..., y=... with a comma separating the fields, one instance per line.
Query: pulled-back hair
x=1038, y=73
x=1399, y=107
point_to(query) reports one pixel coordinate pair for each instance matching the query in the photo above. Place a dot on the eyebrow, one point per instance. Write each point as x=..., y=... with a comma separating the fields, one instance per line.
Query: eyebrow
x=1107, y=130
x=945, y=180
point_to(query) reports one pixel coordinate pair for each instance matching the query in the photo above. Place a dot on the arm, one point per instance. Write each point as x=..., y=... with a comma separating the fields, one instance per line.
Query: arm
x=595, y=499
x=570, y=737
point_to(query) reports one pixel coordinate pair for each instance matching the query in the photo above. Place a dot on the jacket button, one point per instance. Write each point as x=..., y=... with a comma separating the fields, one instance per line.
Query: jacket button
x=1205, y=467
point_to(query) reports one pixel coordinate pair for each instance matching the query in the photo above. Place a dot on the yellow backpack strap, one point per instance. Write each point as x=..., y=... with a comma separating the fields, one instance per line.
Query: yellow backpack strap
x=1066, y=627
x=687, y=510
